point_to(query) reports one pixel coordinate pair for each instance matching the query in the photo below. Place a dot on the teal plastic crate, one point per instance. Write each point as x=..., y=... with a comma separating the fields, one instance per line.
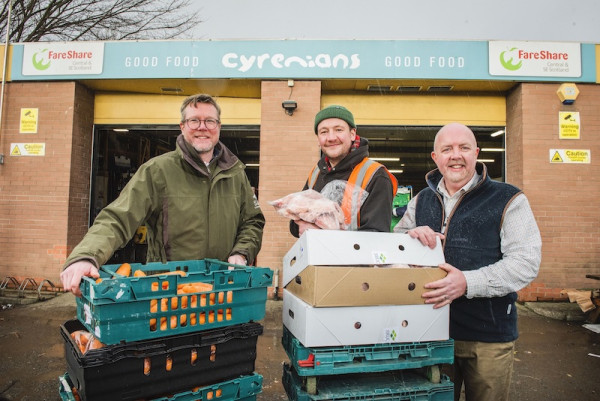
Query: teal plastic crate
x=141, y=308
x=399, y=385
x=243, y=388
x=318, y=361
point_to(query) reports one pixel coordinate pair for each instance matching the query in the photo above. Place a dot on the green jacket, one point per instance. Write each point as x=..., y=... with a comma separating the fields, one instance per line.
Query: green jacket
x=190, y=213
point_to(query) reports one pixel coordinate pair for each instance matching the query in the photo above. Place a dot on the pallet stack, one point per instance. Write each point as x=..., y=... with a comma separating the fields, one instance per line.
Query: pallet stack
x=355, y=324
x=181, y=331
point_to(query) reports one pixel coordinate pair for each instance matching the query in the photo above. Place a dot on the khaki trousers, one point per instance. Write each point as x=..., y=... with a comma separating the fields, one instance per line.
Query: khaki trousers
x=485, y=369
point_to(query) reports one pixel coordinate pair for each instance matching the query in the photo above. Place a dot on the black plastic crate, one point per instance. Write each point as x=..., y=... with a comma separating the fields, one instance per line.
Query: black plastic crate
x=149, y=368
x=243, y=388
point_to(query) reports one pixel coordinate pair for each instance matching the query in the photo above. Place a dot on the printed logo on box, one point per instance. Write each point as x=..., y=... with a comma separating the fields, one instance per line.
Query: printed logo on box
x=390, y=335
x=379, y=258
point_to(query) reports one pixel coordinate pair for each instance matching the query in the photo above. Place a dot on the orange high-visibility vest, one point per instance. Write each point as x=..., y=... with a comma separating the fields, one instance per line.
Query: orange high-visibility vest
x=359, y=179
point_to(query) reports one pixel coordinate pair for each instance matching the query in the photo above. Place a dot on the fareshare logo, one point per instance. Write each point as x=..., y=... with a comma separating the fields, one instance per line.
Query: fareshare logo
x=62, y=58
x=509, y=64
x=40, y=60
x=535, y=59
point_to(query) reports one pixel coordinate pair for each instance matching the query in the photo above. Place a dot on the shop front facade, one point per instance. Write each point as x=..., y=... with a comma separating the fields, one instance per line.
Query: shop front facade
x=78, y=119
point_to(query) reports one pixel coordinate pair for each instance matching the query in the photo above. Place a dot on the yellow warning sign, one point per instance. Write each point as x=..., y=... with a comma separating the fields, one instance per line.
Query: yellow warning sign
x=29, y=121
x=27, y=149
x=568, y=125
x=556, y=158
x=570, y=156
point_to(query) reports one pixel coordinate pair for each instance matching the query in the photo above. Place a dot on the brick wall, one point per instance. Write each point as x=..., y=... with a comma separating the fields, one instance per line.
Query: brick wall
x=288, y=150
x=36, y=204
x=564, y=197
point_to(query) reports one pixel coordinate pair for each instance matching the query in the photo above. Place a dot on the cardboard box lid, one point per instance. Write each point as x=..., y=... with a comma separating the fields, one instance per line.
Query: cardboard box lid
x=326, y=286
x=338, y=248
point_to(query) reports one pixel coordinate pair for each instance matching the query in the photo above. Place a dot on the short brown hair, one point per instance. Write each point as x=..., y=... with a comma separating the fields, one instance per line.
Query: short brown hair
x=199, y=98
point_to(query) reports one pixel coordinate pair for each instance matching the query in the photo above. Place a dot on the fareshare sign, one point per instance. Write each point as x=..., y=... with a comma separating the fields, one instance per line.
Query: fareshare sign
x=535, y=59
x=64, y=58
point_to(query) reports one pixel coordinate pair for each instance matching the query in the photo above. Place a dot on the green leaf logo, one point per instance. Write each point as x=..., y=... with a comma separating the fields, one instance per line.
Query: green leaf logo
x=508, y=64
x=38, y=62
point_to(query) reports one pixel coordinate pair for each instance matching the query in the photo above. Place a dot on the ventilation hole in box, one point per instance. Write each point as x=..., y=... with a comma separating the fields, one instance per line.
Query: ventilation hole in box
x=404, y=323
x=401, y=247
x=365, y=286
x=357, y=325
x=193, y=357
x=169, y=363
x=411, y=286
x=356, y=247
x=293, y=261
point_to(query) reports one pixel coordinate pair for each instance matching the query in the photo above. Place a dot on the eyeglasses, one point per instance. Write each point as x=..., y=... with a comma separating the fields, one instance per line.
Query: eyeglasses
x=194, y=123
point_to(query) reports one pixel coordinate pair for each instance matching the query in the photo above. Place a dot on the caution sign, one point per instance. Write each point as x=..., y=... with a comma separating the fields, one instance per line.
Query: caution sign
x=568, y=125
x=570, y=156
x=29, y=121
x=27, y=149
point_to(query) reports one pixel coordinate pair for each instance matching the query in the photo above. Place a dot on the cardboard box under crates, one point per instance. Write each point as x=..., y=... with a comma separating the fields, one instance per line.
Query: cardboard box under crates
x=243, y=388
x=139, y=308
x=151, y=368
x=357, y=325
x=356, y=248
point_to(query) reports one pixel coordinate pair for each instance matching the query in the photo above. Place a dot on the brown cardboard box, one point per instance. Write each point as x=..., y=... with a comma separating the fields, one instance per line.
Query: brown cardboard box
x=325, y=286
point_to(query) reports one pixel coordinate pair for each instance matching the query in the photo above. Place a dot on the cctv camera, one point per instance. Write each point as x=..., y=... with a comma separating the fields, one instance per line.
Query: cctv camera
x=289, y=106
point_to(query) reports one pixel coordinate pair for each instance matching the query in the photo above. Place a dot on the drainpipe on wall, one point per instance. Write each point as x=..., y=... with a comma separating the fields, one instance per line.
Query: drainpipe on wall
x=4, y=77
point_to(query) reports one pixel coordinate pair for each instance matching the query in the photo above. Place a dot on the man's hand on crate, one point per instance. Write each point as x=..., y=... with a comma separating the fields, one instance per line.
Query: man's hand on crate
x=71, y=276
x=236, y=259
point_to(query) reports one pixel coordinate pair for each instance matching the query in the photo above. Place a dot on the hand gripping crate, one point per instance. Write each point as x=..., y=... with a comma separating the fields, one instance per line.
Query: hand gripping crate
x=318, y=361
x=399, y=385
x=243, y=388
x=147, y=368
x=140, y=308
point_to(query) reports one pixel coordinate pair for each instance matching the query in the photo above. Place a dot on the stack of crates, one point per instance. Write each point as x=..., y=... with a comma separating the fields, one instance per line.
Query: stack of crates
x=182, y=331
x=356, y=326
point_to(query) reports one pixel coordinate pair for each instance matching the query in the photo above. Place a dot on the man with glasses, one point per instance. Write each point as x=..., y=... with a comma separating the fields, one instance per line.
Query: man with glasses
x=195, y=201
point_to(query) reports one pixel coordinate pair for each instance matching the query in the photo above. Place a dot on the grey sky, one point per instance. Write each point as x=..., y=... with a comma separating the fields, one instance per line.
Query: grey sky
x=535, y=20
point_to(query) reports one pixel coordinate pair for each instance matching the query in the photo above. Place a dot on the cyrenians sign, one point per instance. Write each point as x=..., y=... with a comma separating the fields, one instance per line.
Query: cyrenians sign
x=535, y=59
x=244, y=63
x=68, y=58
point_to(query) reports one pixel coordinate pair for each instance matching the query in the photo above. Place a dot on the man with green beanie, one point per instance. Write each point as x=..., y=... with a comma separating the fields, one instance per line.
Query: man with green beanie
x=369, y=186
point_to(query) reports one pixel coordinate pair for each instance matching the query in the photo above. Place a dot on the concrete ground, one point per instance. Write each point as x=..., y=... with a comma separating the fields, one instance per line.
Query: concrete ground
x=556, y=358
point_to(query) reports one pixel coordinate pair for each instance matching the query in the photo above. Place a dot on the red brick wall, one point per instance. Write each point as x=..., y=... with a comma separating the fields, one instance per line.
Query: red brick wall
x=288, y=150
x=40, y=197
x=564, y=197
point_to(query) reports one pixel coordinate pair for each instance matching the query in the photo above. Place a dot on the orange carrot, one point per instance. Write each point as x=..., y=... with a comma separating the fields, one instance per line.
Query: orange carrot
x=123, y=270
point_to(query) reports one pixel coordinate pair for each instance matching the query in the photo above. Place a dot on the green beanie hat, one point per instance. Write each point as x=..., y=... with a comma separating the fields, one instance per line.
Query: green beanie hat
x=335, y=111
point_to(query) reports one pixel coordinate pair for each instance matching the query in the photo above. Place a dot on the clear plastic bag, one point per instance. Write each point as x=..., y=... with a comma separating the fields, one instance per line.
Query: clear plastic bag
x=324, y=209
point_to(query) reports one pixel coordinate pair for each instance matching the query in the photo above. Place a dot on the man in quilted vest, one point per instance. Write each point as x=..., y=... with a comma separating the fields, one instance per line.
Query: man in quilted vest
x=492, y=247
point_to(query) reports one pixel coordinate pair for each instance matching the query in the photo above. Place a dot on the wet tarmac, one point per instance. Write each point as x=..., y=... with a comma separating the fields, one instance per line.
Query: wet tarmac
x=555, y=359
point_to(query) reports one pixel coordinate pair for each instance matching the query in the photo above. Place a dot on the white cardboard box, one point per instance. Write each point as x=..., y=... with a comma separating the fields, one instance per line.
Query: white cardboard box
x=335, y=247
x=361, y=325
